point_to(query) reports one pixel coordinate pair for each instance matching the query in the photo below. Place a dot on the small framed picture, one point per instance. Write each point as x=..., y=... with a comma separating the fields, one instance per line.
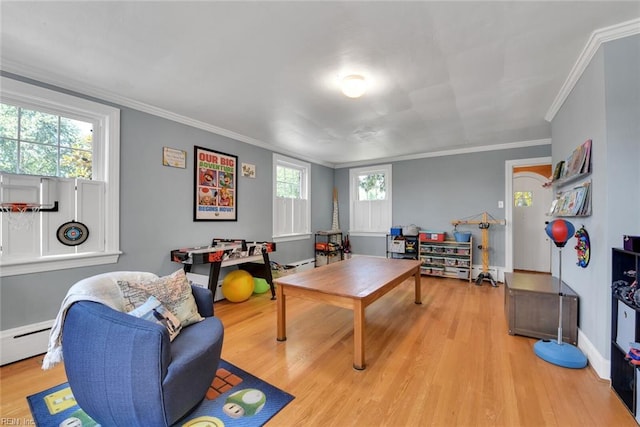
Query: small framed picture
x=248, y=170
x=216, y=186
x=174, y=158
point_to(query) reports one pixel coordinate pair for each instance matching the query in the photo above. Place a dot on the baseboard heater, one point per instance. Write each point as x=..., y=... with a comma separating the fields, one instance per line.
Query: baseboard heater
x=24, y=342
x=304, y=265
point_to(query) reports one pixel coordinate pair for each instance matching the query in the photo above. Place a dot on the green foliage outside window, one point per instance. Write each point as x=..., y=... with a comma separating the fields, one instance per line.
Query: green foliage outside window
x=37, y=143
x=523, y=198
x=372, y=187
x=288, y=182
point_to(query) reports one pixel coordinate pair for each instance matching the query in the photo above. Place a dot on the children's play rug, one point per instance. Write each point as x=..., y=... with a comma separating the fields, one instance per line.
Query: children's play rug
x=232, y=387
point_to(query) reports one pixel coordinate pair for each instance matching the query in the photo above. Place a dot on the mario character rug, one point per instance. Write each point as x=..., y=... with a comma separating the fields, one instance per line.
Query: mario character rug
x=235, y=398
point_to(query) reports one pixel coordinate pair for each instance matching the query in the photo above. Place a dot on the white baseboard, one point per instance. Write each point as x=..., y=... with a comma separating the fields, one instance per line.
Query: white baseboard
x=496, y=272
x=24, y=341
x=600, y=365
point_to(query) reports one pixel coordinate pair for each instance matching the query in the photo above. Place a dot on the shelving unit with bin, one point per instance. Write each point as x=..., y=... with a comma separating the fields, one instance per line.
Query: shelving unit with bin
x=625, y=329
x=328, y=247
x=447, y=258
x=402, y=247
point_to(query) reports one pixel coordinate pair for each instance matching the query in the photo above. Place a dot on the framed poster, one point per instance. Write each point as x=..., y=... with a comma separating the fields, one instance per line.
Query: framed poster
x=216, y=186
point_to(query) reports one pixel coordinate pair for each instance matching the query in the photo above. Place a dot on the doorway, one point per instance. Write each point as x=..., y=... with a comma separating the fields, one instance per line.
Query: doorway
x=531, y=246
x=526, y=203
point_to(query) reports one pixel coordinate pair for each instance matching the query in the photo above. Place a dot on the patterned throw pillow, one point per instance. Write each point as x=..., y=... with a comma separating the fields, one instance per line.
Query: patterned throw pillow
x=153, y=311
x=173, y=291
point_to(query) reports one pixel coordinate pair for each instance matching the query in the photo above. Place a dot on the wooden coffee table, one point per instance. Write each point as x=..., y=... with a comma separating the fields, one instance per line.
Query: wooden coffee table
x=354, y=283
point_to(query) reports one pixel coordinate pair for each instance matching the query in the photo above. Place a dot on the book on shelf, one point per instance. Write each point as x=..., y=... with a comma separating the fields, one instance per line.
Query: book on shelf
x=579, y=162
x=586, y=161
x=557, y=171
x=585, y=209
x=573, y=202
x=573, y=162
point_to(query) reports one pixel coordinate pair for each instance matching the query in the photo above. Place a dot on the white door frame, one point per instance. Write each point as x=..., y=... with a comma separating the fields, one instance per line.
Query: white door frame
x=508, y=197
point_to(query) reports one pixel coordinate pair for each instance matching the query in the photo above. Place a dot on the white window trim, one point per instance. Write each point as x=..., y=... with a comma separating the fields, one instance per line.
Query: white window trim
x=367, y=233
x=353, y=197
x=107, y=153
x=279, y=159
x=291, y=237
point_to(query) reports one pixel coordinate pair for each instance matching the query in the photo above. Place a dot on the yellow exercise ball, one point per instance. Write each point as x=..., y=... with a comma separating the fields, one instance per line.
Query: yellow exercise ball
x=237, y=286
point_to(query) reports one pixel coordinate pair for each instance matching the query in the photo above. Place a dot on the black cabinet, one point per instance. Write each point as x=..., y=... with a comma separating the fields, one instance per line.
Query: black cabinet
x=625, y=327
x=402, y=246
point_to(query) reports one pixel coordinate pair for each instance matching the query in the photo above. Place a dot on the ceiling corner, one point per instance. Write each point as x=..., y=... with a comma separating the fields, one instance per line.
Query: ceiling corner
x=598, y=37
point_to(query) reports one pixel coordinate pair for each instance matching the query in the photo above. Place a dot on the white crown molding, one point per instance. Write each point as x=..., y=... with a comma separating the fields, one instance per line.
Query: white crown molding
x=100, y=94
x=452, y=152
x=603, y=35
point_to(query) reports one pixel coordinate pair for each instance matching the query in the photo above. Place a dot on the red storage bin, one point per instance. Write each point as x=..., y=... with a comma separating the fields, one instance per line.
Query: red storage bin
x=432, y=236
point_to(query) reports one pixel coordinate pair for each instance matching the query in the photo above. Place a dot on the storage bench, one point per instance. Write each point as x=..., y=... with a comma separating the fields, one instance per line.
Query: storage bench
x=531, y=306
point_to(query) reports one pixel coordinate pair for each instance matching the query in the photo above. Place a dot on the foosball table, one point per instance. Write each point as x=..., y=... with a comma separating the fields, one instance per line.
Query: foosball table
x=252, y=257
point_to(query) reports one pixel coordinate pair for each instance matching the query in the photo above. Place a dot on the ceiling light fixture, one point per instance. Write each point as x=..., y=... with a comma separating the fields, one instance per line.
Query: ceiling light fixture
x=353, y=86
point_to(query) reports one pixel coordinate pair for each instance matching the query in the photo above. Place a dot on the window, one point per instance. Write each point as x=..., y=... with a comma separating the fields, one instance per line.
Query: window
x=523, y=199
x=370, y=198
x=291, y=206
x=38, y=143
x=59, y=151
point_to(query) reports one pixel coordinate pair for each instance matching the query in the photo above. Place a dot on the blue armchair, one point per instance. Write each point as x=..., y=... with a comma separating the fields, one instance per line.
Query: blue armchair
x=125, y=371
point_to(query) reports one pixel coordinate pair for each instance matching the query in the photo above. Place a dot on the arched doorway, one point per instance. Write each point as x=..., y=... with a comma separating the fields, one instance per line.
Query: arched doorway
x=530, y=229
x=531, y=245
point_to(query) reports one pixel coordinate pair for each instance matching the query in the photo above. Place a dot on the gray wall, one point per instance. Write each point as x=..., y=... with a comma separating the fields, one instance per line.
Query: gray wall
x=156, y=207
x=156, y=201
x=604, y=106
x=157, y=213
x=431, y=192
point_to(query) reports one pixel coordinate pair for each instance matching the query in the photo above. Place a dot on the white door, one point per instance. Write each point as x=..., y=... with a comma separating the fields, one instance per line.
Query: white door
x=531, y=245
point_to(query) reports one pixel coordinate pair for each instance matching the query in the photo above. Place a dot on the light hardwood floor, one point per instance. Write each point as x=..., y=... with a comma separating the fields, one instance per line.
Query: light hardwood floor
x=447, y=362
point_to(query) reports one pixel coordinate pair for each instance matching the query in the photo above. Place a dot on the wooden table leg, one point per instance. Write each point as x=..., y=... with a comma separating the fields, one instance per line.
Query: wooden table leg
x=358, y=335
x=282, y=317
x=418, y=287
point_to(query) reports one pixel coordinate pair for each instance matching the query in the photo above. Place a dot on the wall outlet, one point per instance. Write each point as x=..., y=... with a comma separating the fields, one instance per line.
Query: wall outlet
x=500, y=204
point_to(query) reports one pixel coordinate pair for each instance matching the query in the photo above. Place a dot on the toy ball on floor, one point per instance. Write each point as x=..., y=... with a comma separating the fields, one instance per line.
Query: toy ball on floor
x=260, y=286
x=237, y=286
